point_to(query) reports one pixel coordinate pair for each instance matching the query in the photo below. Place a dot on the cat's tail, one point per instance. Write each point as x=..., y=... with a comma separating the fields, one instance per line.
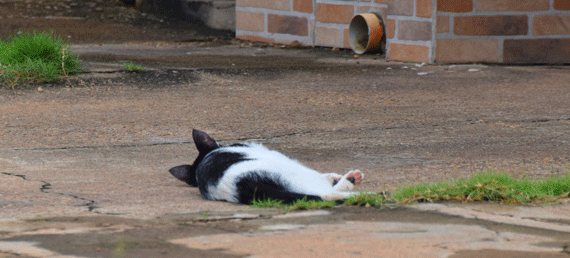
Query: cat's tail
x=185, y=174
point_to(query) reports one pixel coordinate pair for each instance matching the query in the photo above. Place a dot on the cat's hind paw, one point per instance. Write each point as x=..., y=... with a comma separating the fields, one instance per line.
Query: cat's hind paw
x=349, y=180
x=355, y=176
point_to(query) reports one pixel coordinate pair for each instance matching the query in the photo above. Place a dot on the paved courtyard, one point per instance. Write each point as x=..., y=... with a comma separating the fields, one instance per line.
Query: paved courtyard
x=83, y=164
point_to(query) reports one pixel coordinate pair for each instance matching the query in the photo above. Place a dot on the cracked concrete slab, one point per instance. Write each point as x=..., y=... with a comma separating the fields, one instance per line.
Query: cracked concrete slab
x=341, y=231
x=368, y=239
x=83, y=182
x=550, y=218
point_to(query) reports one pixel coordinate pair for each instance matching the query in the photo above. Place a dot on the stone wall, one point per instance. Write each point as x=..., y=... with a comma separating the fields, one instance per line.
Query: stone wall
x=449, y=31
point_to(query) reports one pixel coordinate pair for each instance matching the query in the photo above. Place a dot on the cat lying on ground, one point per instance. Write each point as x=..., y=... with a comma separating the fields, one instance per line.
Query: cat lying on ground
x=243, y=172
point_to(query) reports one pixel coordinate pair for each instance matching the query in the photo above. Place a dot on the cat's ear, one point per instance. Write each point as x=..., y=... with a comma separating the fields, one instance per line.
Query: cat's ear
x=185, y=173
x=204, y=143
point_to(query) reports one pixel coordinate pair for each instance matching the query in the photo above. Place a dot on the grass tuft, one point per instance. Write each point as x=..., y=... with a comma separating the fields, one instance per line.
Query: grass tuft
x=35, y=57
x=132, y=67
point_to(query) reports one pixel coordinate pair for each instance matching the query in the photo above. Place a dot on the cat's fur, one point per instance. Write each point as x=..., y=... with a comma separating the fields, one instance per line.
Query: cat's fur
x=243, y=172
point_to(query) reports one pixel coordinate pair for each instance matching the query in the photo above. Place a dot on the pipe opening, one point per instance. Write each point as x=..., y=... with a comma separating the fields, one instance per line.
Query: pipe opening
x=366, y=33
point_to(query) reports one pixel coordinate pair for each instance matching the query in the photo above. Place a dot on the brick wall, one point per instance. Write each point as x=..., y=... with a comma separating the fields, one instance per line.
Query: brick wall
x=310, y=22
x=275, y=21
x=410, y=30
x=454, y=31
x=503, y=31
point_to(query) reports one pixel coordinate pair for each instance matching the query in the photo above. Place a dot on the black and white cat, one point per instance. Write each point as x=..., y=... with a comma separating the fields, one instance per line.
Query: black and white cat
x=243, y=172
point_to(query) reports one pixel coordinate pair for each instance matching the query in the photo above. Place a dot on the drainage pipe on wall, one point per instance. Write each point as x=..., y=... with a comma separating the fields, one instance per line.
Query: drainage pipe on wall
x=366, y=33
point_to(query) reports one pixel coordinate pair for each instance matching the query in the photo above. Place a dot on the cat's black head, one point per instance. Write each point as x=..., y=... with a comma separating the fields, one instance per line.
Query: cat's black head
x=205, y=144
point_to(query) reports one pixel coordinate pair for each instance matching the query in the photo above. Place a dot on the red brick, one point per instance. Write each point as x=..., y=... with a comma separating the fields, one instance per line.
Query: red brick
x=491, y=25
x=390, y=28
x=467, y=51
x=455, y=6
x=409, y=53
x=283, y=5
x=255, y=38
x=304, y=6
x=381, y=1
x=561, y=4
x=511, y=5
x=414, y=30
x=330, y=37
x=551, y=25
x=442, y=24
x=423, y=8
x=335, y=13
x=536, y=51
x=401, y=7
x=287, y=25
x=250, y=21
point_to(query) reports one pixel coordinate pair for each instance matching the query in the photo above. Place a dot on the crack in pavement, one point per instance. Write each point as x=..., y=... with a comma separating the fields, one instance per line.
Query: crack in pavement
x=545, y=120
x=566, y=249
x=277, y=136
x=126, y=145
x=46, y=186
x=10, y=253
x=174, y=142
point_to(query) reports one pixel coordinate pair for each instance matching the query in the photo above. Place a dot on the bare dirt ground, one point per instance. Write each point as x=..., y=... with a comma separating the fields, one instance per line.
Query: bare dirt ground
x=97, y=21
x=83, y=162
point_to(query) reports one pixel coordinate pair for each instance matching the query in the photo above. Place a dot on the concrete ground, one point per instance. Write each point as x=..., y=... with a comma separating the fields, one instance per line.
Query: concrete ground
x=83, y=163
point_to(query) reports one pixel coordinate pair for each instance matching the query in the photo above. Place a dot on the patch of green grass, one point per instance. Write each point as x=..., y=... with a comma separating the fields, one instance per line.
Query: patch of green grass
x=302, y=204
x=267, y=203
x=35, y=57
x=368, y=199
x=362, y=199
x=492, y=186
x=310, y=205
x=489, y=186
x=132, y=67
